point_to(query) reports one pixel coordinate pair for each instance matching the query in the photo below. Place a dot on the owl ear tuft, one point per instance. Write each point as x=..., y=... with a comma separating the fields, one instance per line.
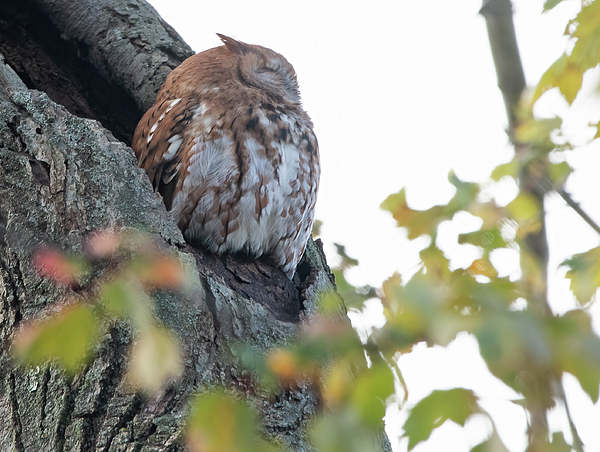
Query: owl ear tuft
x=236, y=47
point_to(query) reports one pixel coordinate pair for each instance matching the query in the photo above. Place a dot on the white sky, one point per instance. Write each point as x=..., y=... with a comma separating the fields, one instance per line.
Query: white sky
x=401, y=92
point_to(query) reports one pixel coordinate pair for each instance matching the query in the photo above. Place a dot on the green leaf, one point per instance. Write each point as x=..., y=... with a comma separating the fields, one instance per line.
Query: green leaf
x=466, y=192
x=435, y=409
x=506, y=169
x=416, y=222
x=513, y=343
x=346, y=261
x=559, y=172
x=372, y=389
x=536, y=133
x=353, y=297
x=493, y=444
x=420, y=222
x=549, y=4
x=559, y=444
x=487, y=239
x=584, y=274
x=219, y=423
x=411, y=308
x=577, y=349
x=120, y=298
x=435, y=262
x=586, y=52
x=525, y=208
x=565, y=75
x=343, y=431
x=67, y=337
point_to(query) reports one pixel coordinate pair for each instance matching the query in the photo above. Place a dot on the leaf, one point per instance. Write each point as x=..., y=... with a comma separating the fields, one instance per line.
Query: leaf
x=536, y=132
x=514, y=343
x=160, y=272
x=577, y=349
x=586, y=52
x=488, y=239
x=483, y=267
x=67, y=337
x=559, y=444
x=410, y=308
x=102, y=244
x=421, y=222
x=370, y=392
x=416, y=222
x=121, y=299
x=316, y=229
x=435, y=409
x=155, y=360
x=493, y=444
x=284, y=364
x=219, y=423
x=435, y=262
x=354, y=297
x=466, y=192
x=506, y=169
x=343, y=431
x=338, y=382
x=524, y=208
x=346, y=261
x=564, y=74
x=549, y=4
x=558, y=173
x=53, y=264
x=584, y=274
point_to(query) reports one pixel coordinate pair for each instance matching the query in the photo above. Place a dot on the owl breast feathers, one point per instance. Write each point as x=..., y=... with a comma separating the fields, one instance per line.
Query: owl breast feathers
x=233, y=153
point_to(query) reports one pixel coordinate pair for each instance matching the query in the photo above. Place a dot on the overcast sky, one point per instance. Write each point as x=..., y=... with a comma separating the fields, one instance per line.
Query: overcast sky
x=401, y=92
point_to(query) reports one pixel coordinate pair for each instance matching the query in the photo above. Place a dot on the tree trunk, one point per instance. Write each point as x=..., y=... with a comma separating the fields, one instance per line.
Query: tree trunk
x=63, y=175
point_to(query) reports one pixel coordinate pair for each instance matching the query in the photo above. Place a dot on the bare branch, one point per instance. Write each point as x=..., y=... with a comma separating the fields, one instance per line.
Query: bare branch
x=577, y=208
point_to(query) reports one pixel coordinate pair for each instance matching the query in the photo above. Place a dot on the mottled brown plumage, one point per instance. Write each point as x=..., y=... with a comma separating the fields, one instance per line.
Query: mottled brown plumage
x=233, y=153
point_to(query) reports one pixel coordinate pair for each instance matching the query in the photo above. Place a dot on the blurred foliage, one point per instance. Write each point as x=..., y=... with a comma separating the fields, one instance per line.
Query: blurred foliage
x=219, y=422
x=526, y=348
x=435, y=409
x=112, y=280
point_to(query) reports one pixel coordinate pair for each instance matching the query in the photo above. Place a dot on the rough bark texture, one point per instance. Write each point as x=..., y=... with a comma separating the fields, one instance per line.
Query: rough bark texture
x=63, y=176
x=104, y=60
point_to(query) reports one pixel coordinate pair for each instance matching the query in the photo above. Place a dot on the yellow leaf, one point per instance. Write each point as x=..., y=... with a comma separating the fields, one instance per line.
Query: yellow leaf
x=283, y=363
x=337, y=383
x=524, y=208
x=564, y=74
x=483, y=267
x=155, y=359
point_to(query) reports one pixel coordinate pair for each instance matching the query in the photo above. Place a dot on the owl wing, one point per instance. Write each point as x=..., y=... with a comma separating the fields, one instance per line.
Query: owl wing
x=159, y=143
x=303, y=181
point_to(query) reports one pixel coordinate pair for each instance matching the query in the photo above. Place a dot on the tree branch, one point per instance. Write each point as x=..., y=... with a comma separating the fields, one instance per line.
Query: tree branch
x=511, y=81
x=577, y=208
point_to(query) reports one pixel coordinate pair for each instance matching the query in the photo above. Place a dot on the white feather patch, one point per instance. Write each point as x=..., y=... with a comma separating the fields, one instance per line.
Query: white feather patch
x=175, y=141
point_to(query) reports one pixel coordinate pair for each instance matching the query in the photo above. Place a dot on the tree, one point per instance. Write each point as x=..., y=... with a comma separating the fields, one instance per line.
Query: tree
x=75, y=76
x=522, y=341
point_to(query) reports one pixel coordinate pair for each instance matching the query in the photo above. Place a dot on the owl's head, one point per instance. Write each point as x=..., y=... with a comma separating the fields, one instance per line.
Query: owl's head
x=233, y=74
x=264, y=69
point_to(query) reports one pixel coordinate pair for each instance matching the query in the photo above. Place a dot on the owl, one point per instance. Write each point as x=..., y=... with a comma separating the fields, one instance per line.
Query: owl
x=233, y=153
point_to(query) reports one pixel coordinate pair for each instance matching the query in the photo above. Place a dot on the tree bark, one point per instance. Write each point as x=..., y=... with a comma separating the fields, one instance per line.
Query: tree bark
x=64, y=174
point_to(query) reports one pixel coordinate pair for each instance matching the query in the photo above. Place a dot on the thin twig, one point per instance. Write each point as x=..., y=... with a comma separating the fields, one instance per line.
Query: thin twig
x=577, y=208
